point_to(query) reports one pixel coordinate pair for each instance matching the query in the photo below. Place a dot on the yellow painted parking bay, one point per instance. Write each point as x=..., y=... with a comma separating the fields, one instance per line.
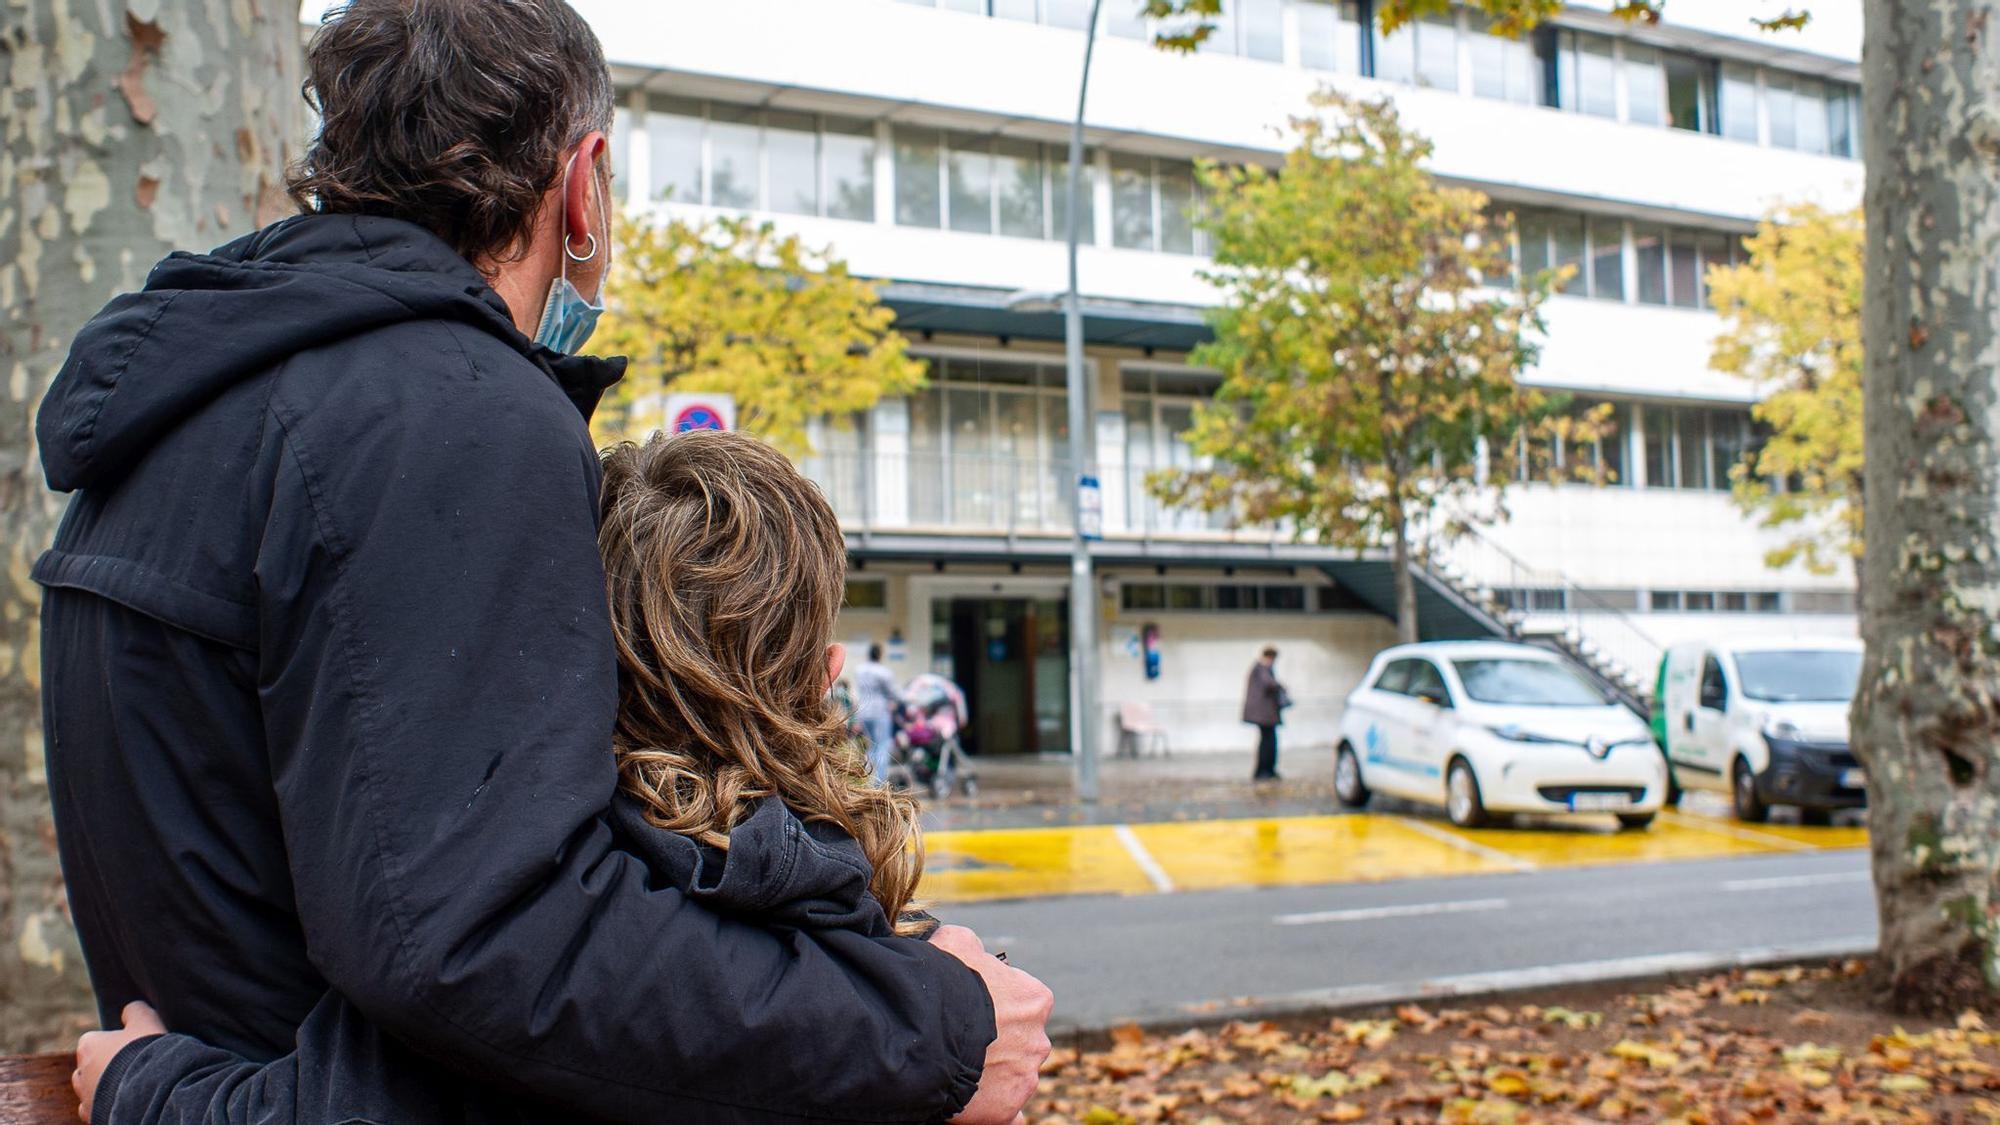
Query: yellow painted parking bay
x=970, y=866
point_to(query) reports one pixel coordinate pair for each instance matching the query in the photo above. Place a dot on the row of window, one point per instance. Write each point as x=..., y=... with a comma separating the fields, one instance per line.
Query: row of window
x=1711, y=601
x=1667, y=265
x=1232, y=597
x=1555, y=599
x=1681, y=447
x=1578, y=71
x=751, y=159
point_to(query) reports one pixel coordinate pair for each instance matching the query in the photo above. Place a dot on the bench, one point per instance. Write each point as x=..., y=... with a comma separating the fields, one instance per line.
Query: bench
x=34, y=1090
x=1138, y=730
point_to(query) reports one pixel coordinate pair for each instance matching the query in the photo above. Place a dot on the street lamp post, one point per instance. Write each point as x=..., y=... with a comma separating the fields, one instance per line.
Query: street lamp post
x=1083, y=447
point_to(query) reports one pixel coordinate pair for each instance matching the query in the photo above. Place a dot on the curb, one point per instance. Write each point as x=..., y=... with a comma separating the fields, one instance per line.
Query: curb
x=1326, y=1001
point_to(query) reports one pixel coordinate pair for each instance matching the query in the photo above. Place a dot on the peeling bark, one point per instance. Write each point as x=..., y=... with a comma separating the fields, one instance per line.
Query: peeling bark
x=113, y=120
x=1927, y=718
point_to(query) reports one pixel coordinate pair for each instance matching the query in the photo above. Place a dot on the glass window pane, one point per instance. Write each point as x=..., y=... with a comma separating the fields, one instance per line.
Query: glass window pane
x=1017, y=177
x=673, y=138
x=1781, y=110
x=791, y=162
x=732, y=157
x=1693, y=448
x=1566, y=233
x=1329, y=35
x=970, y=171
x=1811, y=115
x=1437, y=52
x=1531, y=237
x=1086, y=223
x=848, y=148
x=1125, y=22
x=1611, y=445
x=1263, y=29
x=1645, y=86
x=1699, y=601
x=1649, y=247
x=1015, y=9
x=917, y=200
x=1726, y=437
x=1222, y=40
x=1714, y=252
x=1840, y=120
x=621, y=148
x=1596, y=77
x=1685, y=267
x=1176, y=208
x=1503, y=69
x=1396, y=55
x=1607, y=259
x=1687, y=94
x=1071, y=14
x=1738, y=101
x=1659, y=447
x=1132, y=202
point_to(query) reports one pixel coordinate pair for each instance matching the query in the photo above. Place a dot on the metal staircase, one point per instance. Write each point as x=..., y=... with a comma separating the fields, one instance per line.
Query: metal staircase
x=1477, y=589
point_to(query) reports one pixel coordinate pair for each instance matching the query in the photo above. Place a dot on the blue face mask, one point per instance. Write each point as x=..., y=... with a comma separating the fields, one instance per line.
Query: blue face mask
x=568, y=319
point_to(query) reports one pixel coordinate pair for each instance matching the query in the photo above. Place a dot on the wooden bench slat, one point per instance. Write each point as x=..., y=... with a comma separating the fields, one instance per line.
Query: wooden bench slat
x=34, y=1090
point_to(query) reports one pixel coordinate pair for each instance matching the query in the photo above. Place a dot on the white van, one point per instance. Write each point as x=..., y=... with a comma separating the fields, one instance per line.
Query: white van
x=1764, y=721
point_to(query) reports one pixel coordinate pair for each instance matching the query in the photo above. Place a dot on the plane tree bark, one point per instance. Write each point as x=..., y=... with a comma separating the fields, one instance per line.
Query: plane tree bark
x=127, y=130
x=1926, y=722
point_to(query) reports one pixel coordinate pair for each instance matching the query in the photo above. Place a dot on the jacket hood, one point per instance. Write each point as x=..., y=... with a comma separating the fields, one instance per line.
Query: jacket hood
x=206, y=322
x=778, y=869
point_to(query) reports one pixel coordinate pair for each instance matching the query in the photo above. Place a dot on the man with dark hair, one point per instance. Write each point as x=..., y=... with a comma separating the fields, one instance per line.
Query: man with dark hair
x=1264, y=703
x=329, y=678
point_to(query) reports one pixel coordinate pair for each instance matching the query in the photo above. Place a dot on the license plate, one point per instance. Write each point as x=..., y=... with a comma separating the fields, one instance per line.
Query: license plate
x=1853, y=779
x=1599, y=802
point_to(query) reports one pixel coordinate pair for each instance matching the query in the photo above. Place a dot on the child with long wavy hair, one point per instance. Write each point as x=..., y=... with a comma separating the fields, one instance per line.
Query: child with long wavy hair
x=726, y=570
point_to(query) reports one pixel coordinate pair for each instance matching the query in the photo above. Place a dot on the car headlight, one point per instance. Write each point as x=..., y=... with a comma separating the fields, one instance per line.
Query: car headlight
x=1782, y=729
x=1512, y=732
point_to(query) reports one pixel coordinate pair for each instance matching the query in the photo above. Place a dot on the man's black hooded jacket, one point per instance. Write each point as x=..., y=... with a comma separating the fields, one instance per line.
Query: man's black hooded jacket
x=329, y=689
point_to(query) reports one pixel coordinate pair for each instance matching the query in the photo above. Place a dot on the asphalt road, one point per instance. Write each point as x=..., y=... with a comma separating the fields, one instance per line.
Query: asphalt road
x=1203, y=955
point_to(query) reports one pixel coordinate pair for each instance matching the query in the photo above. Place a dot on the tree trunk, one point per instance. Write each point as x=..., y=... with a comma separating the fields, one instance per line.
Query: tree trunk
x=1927, y=718
x=126, y=130
x=1406, y=582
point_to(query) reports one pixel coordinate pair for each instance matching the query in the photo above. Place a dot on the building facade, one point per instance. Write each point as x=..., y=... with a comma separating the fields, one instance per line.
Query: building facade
x=924, y=141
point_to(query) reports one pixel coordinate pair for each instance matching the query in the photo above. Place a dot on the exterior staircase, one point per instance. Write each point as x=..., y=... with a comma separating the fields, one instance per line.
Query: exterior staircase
x=1476, y=589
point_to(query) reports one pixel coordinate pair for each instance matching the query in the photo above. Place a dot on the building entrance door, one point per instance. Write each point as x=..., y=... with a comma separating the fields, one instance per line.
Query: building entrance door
x=1011, y=657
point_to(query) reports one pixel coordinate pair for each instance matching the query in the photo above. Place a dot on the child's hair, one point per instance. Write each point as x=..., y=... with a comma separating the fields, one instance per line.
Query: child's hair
x=725, y=569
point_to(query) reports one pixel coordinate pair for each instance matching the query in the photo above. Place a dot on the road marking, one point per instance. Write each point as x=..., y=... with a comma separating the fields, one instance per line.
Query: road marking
x=1463, y=844
x=1144, y=859
x=1777, y=881
x=1538, y=976
x=1411, y=910
x=1703, y=824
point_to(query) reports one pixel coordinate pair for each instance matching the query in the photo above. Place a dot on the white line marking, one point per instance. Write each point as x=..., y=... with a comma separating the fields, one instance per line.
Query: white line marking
x=1703, y=824
x=1538, y=976
x=1778, y=881
x=1144, y=859
x=1463, y=844
x=1411, y=910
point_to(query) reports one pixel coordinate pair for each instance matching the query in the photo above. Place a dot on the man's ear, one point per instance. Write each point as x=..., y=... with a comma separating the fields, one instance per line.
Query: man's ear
x=580, y=191
x=836, y=659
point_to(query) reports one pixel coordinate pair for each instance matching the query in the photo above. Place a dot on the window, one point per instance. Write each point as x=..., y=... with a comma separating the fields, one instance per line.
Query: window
x=1843, y=106
x=621, y=147
x=918, y=198
x=1329, y=35
x=1649, y=257
x=732, y=157
x=1737, y=103
x=1427, y=683
x=1423, y=52
x=1018, y=186
x=1526, y=683
x=1567, y=249
x=1252, y=28
x=1396, y=677
x=1780, y=111
x=1691, y=456
x=1645, y=86
x=1225, y=597
x=673, y=139
x=1799, y=675
x=969, y=167
x=1586, y=75
x=1690, y=93
x=1151, y=204
x=791, y=156
x=848, y=150
x=1714, y=690
x=1728, y=441
x=770, y=160
x=866, y=593
x=1504, y=69
x=1086, y=214
x=1607, y=259
x=1659, y=447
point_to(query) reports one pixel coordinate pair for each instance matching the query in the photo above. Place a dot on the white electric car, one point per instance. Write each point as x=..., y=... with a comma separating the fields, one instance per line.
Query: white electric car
x=1484, y=727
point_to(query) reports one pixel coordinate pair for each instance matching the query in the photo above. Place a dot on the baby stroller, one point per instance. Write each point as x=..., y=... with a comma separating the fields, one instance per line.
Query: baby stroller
x=927, y=751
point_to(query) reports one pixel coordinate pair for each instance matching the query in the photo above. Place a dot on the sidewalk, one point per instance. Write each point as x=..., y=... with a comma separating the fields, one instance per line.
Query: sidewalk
x=1026, y=791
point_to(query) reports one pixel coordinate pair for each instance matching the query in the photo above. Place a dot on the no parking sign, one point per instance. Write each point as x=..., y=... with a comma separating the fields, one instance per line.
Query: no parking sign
x=696, y=411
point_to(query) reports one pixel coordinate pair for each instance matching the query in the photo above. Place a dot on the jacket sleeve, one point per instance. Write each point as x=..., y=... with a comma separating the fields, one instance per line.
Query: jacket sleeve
x=438, y=692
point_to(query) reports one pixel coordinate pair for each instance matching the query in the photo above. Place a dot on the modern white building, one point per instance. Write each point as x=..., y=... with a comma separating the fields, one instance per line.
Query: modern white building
x=924, y=142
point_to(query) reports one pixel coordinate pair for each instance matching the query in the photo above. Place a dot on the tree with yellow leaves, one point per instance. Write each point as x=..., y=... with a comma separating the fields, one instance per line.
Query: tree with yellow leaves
x=1792, y=324
x=729, y=305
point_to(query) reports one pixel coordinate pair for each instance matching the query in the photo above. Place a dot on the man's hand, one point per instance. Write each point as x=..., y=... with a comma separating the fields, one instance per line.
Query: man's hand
x=1021, y=1007
x=96, y=1049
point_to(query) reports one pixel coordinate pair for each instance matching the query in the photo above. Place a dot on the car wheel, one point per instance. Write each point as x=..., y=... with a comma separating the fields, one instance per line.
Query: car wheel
x=1462, y=802
x=1634, y=821
x=1749, y=806
x=1347, y=783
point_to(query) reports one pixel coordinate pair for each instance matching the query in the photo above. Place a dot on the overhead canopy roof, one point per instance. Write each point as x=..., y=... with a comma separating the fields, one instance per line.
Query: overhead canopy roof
x=1038, y=316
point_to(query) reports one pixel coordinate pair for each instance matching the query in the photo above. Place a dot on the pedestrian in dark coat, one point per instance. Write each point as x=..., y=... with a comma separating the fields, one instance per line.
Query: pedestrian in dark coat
x=329, y=677
x=1264, y=703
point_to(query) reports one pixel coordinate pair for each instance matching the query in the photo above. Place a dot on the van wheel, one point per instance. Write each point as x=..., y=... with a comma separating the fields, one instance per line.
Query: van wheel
x=1743, y=787
x=1347, y=784
x=1462, y=802
x=1635, y=821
